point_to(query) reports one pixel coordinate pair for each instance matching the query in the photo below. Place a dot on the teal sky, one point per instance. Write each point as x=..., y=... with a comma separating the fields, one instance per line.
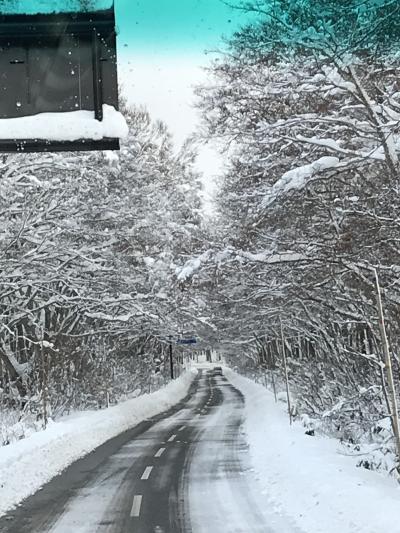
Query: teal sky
x=174, y=26
x=152, y=26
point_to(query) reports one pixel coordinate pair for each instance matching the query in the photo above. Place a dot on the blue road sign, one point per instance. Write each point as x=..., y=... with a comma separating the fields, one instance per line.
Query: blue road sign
x=186, y=341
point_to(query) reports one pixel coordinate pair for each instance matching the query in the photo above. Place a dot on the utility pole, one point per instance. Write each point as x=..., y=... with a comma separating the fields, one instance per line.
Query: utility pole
x=286, y=372
x=44, y=379
x=171, y=359
x=394, y=417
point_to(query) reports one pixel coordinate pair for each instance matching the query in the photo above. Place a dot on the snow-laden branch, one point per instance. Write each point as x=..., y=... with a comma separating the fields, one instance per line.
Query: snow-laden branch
x=271, y=259
x=219, y=257
x=298, y=178
x=190, y=267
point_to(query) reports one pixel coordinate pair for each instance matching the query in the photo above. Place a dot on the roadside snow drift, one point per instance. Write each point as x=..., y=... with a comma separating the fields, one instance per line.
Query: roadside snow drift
x=66, y=126
x=30, y=463
x=307, y=478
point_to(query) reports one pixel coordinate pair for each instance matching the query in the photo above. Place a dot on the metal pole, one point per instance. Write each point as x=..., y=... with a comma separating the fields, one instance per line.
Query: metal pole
x=44, y=381
x=171, y=359
x=97, y=78
x=394, y=417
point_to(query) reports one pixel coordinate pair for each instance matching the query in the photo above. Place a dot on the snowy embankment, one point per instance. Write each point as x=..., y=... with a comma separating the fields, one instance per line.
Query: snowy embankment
x=307, y=478
x=27, y=465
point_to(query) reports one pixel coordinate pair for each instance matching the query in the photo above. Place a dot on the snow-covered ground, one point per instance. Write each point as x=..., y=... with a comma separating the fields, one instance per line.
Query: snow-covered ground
x=27, y=465
x=309, y=478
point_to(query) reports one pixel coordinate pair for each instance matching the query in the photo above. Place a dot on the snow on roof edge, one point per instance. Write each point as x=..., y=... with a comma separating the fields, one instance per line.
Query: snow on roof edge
x=66, y=126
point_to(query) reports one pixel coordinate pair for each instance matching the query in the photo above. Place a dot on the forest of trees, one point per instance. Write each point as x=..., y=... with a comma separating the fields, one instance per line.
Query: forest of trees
x=306, y=105
x=104, y=256
x=88, y=249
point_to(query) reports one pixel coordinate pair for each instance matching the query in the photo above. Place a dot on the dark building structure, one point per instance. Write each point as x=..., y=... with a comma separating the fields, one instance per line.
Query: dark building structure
x=57, y=63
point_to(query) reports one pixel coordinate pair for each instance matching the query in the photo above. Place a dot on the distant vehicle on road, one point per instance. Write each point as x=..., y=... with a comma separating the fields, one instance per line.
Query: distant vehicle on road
x=217, y=371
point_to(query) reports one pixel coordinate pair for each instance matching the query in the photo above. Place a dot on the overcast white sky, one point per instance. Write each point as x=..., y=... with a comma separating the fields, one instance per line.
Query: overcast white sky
x=165, y=87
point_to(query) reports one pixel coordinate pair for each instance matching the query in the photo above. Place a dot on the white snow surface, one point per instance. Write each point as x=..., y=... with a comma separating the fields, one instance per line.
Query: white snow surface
x=191, y=266
x=27, y=465
x=188, y=270
x=271, y=258
x=66, y=126
x=298, y=177
x=308, y=478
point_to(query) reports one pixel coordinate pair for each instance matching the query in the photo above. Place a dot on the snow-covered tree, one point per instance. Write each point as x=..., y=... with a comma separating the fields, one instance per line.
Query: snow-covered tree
x=88, y=243
x=306, y=101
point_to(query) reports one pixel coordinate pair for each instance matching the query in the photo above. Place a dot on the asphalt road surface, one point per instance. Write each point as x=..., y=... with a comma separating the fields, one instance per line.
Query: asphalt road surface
x=184, y=471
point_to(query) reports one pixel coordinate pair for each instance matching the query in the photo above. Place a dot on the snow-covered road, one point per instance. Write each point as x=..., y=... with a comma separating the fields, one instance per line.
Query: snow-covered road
x=224, y=495
x=184, y=472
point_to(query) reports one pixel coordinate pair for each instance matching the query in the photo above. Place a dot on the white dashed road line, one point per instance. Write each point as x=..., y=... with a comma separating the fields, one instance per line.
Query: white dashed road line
x=147, y=472
x=172, y=438
x=181, y=428
x=160, y=452
x=137, y=504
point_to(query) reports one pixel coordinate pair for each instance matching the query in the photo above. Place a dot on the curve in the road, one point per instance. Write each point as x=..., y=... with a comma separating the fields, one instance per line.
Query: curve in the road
x=182, y=472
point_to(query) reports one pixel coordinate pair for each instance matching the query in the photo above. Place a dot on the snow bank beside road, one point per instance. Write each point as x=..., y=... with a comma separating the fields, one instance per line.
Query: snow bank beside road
x=307, y=479
x=28, y=464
